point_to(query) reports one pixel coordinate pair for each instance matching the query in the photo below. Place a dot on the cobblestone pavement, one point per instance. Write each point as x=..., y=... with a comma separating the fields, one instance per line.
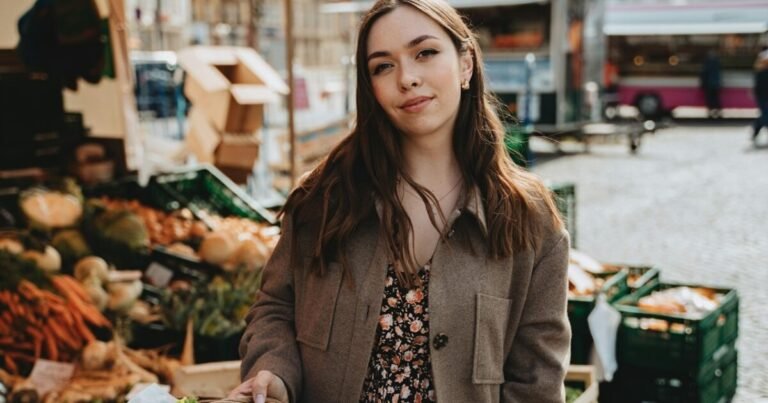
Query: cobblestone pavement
x=694, y=202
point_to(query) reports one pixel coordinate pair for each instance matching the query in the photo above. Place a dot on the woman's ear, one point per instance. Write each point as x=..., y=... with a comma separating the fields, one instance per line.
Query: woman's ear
x=467, y=65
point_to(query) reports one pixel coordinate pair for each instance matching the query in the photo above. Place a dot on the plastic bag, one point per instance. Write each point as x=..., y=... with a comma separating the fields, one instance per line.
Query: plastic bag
x=604, y=324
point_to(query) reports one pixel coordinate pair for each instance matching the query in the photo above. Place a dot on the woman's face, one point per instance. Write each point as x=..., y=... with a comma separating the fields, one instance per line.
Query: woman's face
x=416, y=72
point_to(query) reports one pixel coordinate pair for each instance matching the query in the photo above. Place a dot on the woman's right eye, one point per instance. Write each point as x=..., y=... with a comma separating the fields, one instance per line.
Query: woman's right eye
x=380, y=68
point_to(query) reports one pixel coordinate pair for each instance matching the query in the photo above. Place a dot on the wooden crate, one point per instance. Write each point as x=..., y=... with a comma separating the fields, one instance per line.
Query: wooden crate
x=584, y=374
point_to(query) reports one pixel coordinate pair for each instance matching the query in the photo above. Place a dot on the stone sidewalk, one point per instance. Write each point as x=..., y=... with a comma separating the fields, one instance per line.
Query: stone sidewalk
x=694, y=202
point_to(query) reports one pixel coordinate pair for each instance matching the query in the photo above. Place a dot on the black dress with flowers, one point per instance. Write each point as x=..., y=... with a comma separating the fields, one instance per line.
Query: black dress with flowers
x=400, y=369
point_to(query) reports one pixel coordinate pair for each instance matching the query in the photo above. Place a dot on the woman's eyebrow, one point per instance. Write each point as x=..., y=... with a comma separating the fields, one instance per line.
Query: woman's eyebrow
x=412, y=43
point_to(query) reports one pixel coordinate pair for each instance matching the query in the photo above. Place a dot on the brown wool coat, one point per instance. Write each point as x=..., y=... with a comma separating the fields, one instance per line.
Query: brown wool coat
x=505, y=325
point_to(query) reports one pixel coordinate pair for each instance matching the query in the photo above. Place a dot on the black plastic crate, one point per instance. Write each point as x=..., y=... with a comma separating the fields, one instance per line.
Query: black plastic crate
x=682, y=343
x=579, y=308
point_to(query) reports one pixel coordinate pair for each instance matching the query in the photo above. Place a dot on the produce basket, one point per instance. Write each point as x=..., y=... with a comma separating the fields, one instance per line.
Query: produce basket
x=579, y=308
x=565, y=198
x=675, y=342
x=715, y=382
x=205, y=188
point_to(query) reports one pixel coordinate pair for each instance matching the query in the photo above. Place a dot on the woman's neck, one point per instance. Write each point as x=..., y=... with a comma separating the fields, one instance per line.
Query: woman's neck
x=431, y=163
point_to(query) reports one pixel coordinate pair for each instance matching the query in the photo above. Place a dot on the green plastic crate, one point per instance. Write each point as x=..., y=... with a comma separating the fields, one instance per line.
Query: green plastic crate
x=565, y=198
x=516, y=142
x=715, y=382
x=686, y=345
x=579, y=308
x=639, y=278
x=206, y=188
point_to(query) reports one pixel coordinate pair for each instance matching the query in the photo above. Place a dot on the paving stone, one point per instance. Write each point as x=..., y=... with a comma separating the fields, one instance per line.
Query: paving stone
x=693, y=201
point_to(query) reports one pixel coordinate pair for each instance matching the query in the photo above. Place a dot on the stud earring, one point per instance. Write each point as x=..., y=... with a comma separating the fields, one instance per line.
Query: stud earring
x=465, y=85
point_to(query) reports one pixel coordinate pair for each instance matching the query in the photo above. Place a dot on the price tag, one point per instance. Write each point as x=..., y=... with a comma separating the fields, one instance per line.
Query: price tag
x=49, y=376
x=158, y=275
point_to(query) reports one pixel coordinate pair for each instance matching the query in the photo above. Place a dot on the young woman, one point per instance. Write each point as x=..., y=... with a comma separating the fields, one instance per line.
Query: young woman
x=417, y=262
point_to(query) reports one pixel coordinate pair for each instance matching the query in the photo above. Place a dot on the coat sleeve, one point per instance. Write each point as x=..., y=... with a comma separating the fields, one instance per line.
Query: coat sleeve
x=269, y=342
x=535, y=367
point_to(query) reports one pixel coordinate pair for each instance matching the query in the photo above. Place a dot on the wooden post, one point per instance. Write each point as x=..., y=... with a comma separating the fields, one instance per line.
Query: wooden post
x=289, y=67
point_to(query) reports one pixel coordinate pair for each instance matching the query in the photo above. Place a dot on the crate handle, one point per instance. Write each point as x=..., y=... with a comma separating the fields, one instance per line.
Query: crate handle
x=721, y=320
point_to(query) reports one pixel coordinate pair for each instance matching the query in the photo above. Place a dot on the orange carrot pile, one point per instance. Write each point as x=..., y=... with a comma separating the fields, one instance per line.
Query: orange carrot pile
x=36, y=323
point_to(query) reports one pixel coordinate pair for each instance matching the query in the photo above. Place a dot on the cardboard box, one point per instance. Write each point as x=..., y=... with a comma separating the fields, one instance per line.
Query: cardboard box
x=238, y=175
x=231, y=85
x=201, y=139
x=211, y=147
x=238, y=151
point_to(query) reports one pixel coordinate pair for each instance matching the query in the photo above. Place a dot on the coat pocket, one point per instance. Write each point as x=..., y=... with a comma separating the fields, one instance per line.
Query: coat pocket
x=491, y=321
x=316, y=306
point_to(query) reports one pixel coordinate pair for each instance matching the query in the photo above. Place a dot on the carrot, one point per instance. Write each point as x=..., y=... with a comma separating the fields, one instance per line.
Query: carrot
x=6, y=316
x=65, y=315
x=21, y=356
x=23, y=346
x=34, y=332
x=89, y=312
x=63, y=336
x=38, y=341
x=50, y=347
x=29, y=291
x=5, y=327
x=51, y=297
x=81, y=328
x=72, y=285
x=10, y=364
x=5, y=297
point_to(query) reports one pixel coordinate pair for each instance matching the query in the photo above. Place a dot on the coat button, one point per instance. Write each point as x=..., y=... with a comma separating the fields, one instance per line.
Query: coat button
x=440, y=341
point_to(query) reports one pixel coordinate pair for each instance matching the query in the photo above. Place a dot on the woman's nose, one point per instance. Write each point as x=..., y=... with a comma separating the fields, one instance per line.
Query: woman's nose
x=409, y=78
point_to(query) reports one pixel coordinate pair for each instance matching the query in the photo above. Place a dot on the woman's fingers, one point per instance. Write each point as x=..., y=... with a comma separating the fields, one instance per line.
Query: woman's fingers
x=264, y=384
x=260, y=386
x=244, y=389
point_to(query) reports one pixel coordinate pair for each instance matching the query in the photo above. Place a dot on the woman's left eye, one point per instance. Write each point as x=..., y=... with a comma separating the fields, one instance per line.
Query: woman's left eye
x=426, y=53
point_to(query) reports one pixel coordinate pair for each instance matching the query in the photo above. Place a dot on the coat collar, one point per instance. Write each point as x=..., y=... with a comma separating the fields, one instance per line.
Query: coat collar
x=472, y=203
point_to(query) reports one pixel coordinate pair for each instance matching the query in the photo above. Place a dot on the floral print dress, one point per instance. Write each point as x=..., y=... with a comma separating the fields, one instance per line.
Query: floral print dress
x=400, y=369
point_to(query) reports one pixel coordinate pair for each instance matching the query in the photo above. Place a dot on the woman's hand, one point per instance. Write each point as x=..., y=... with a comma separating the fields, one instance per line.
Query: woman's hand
x=264, y=384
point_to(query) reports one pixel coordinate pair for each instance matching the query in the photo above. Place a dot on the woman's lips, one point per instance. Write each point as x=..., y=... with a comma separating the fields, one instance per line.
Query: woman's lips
x=416, y=105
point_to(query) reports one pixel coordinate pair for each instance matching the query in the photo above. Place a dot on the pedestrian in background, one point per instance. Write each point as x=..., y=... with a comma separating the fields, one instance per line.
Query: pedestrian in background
x=710, y=82
x=761, y=92
x=417, y=262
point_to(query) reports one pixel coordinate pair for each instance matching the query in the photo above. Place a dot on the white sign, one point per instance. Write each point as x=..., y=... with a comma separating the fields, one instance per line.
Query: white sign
x=49, y=376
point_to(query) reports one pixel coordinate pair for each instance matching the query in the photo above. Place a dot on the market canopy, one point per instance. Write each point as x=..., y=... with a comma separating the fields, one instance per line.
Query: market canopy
x=687, y=19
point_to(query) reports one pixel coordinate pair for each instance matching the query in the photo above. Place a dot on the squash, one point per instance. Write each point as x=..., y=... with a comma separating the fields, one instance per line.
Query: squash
x=45, y=209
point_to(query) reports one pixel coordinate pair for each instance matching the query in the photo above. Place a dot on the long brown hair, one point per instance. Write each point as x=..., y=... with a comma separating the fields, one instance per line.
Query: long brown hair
x=364, y=168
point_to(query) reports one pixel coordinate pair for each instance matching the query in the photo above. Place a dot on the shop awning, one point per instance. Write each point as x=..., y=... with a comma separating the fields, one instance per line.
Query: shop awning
x=737, y=17
x=363, y=5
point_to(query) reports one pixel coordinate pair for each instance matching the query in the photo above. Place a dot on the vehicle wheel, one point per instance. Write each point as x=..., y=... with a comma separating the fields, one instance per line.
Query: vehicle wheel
x=649, y=106
x=611, y=112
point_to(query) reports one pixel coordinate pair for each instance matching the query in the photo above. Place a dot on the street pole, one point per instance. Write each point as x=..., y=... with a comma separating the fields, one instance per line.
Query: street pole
x=530, y=64
x=289, y=67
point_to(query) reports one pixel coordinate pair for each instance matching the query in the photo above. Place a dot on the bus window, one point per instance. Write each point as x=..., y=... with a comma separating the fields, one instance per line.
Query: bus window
x=498, y=31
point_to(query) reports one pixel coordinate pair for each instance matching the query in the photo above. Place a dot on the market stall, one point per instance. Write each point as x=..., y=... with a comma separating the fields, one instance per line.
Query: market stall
x=128, y=284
